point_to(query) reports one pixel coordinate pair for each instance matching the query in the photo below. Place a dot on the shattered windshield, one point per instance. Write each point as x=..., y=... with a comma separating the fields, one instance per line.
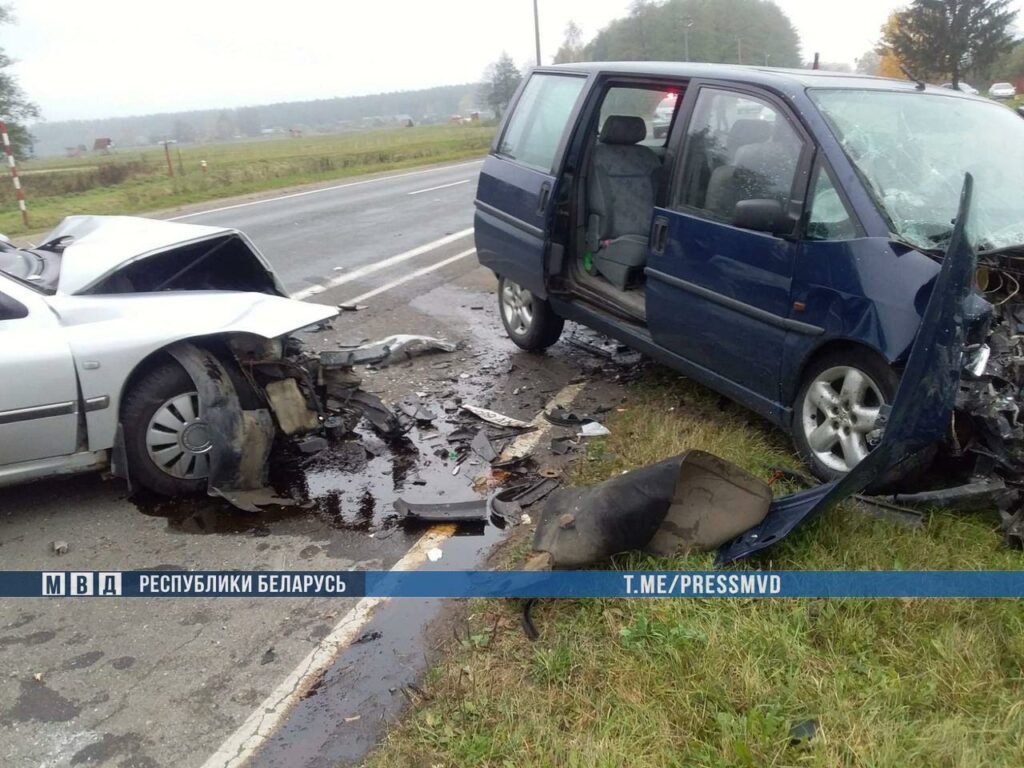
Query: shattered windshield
x=913, y=150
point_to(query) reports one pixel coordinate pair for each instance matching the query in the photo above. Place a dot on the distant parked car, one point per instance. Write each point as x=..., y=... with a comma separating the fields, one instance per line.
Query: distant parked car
x=1002, y=91
x=962, y=87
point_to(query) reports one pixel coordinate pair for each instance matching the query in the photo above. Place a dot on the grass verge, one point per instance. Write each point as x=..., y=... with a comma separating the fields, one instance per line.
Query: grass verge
x=693, y=682
x=137, y=181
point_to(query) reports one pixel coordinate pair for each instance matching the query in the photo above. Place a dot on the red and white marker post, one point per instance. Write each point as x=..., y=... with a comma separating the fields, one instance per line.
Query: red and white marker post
x=18, y=191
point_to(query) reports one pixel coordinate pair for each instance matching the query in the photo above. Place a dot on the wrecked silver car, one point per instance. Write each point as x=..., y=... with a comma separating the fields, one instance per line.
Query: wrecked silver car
x=163, y=351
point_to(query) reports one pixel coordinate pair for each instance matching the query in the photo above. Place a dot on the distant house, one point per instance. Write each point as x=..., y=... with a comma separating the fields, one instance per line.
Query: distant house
x=103, y=145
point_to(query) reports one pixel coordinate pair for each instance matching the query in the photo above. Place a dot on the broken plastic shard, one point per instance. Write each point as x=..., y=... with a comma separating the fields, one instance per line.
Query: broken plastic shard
x=803, y=731
x=482, y=447
x=414, y=409
x=472, y=510
x=508, y=503
x=594, y=429
x=379, y=415
x=387, y=350
x=252, y=500
x=434, y=554
x=563, y=418
x=493, y=417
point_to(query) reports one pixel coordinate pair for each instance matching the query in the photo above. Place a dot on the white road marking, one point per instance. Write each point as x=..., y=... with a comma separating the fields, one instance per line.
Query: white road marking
x=245, y=742
x=369, y=269
x=442, y=186
x=326, y=189
x=265, y=719
x=411, y=276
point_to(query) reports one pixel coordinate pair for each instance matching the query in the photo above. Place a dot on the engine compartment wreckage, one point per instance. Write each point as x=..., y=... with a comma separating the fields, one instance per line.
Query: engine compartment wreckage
x=272, y=387
x=964, y=370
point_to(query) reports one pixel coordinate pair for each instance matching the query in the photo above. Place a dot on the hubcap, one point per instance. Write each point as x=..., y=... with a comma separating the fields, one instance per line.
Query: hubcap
x=178, y=440
x=517, y=308
x=840, y=417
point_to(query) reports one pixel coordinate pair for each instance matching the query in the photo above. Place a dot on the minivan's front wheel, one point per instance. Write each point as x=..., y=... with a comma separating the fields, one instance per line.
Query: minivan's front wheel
x=835, y=420
x=529, y=320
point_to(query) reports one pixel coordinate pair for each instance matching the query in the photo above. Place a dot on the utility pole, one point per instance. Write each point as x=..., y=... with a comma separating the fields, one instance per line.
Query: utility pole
x=536, y=30
x=687, y=23
x=739, y=50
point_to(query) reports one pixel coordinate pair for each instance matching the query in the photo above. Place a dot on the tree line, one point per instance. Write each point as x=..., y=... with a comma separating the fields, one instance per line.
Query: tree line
x=948, y=40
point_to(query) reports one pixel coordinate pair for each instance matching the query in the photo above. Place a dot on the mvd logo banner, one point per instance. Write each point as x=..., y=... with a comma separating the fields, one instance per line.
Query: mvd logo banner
x=505, y=584
x=81, y=584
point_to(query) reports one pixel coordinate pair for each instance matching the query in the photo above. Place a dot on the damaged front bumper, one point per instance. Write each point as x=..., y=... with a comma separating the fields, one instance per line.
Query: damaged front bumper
x=253, y=390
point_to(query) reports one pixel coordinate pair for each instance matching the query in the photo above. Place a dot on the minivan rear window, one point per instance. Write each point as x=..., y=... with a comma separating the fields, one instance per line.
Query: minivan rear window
x=541, y=115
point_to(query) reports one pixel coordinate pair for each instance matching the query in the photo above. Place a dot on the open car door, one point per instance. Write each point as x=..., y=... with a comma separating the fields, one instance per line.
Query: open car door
x=517, y=191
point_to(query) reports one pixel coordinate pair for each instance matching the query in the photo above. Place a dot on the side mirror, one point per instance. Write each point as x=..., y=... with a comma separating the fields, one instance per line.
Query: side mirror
x=1020, y=111
x=761, y=216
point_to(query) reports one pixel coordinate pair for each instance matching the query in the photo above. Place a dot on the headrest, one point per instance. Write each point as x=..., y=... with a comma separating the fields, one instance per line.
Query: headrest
x=623, y=129
x=745, y=132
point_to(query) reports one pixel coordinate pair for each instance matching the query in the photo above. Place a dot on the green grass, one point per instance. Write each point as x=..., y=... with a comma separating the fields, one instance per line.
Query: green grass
x=927, y=683
x=136, y=181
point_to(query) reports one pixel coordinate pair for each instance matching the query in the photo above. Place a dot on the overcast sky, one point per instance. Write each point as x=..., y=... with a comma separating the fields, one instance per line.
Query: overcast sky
x=99, y=58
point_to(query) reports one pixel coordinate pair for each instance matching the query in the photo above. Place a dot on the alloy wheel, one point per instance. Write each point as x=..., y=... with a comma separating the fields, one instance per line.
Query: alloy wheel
x=517, y=307
x=840, y=416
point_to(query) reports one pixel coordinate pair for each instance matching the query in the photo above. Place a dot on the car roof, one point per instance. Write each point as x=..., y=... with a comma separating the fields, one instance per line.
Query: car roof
x=784, y=80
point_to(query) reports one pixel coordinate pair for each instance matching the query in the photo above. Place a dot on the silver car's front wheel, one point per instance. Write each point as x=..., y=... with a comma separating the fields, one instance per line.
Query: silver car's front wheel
x=178, y=440
x=839, y=416
x=517, y=308
x=167, y=444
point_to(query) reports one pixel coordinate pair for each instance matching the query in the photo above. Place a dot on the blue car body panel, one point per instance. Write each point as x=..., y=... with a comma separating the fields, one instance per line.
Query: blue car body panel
x=920, y=411
x=509, y=226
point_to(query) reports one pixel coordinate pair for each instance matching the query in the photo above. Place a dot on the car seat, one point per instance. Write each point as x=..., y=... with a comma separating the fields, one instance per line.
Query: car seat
x=623, y=183
x=757, y=171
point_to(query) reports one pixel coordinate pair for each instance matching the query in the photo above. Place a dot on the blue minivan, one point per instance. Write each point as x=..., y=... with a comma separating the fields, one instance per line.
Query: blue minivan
x=772, y=234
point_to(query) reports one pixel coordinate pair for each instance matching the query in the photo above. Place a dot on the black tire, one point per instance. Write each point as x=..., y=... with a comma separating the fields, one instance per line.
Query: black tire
x=540, y=330
x=146, y=396
x=845, y=423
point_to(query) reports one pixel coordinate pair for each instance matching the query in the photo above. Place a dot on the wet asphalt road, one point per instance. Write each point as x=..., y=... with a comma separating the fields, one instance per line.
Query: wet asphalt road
x=313, y=236
x=153, y=683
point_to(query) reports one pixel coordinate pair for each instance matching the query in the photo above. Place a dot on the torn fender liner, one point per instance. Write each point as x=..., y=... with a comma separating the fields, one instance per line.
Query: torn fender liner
x=579, y=526
x=714, y=500
x=921, y=410
x=241, y=439
x=691, y=501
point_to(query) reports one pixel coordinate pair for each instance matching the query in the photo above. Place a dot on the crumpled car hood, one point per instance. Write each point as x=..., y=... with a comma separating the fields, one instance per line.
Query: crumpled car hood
x=96, y=247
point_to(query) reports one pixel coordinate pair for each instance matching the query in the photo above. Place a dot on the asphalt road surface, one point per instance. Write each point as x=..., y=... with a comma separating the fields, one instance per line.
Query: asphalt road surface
x=150, y=683
x=314, y=236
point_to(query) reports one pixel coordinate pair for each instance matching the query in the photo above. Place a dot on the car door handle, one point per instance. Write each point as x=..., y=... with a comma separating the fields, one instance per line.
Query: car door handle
x=660, y=235
x=542, y=198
